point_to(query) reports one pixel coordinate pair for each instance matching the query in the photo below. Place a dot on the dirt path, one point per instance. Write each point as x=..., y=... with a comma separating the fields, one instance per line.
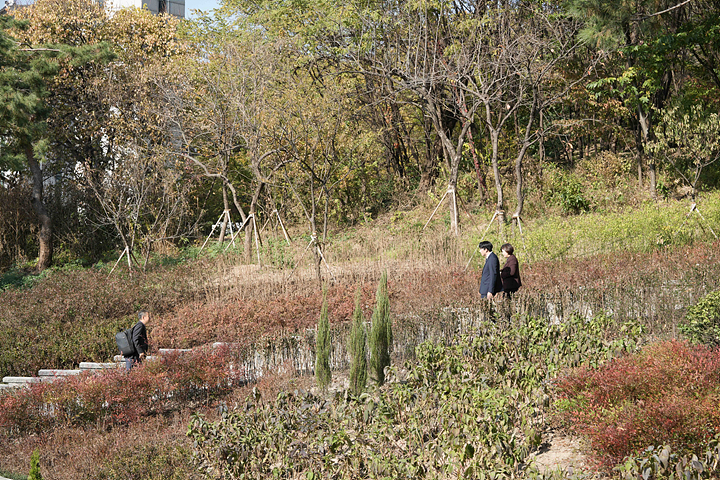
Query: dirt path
x=560, y=453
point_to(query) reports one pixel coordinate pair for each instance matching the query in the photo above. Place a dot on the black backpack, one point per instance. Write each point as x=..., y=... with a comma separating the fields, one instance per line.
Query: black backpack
x=125, y=343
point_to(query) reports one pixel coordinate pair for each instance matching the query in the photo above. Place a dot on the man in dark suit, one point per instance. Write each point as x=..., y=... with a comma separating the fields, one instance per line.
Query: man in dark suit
x=490, y=282
x=140, y=341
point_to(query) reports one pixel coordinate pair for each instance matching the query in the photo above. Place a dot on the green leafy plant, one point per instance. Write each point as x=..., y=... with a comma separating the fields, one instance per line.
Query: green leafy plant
x=323, y=375
x=663, y=462
x=702, y=322
x=469, y=409
x=571, y=197
x=381, y=332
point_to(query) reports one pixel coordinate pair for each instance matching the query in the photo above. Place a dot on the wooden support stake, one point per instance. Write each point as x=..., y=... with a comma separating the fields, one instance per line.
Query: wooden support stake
x=287, y=238
x=118, y=260
x=212, y=230
x=481, y=239
x=247, y=219
x=708, y=223
x=301, y=257
x=257, y=239
x=438, y=206
x=453, y=194
x=229, y=221
x=326, y=263
x=522, y=235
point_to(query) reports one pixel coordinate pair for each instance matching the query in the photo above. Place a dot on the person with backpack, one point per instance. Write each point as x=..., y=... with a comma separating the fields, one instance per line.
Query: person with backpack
x=137, y=337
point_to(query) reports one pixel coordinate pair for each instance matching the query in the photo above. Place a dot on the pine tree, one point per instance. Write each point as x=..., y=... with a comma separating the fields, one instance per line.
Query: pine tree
x=381, y=332
x=322, y=346
x=25, y=75
x=35, y=466
x=358, y=351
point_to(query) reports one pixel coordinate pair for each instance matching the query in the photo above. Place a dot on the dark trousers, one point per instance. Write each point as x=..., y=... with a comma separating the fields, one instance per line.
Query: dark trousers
x=130, y=362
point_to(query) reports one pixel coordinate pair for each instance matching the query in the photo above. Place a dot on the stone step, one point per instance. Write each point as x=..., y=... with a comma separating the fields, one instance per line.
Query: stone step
x=97, y=366
x=121, y=359
x=51, y=372
x=163, y=351
x=21, y=380
x=10, y=386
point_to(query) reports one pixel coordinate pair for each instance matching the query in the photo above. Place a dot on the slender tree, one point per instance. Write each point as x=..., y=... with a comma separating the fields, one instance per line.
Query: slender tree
x=688, y=140
x=358, y=350
x=322, y=346
x=381, y=332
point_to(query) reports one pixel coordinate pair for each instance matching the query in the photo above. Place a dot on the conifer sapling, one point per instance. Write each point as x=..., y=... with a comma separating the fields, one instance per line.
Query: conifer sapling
x=358, y=350
x=322, y=346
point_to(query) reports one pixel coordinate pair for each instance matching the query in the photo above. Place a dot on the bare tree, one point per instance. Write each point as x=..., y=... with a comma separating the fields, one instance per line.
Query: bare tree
x=323, y=151
x=220, y=109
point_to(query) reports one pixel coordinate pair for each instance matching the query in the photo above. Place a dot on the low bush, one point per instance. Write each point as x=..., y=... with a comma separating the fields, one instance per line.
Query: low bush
x=115, y=397
x=666, y=393
x=702, y=322
x=663, y=462
x=71, y=316
x=149, y=460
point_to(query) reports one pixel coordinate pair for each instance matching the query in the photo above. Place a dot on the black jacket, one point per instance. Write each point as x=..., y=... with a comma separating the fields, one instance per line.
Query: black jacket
x=490, y=281
x=139, y=338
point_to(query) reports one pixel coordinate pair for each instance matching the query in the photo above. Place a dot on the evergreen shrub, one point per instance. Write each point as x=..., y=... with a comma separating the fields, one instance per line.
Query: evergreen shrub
x=702, y=322
x=358, y=350
x=381, y=332
x=35, y=466
x=323, y=375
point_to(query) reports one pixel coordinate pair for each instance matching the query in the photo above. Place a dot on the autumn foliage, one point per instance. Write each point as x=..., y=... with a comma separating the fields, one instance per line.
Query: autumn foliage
x=667, y=394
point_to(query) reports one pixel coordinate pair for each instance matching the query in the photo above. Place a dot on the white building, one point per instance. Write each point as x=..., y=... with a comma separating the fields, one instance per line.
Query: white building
x=173, y=7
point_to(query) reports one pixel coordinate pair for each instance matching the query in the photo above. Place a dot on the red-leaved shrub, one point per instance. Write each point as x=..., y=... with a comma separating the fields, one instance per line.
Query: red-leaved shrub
x=668, y=393
x=116, y=397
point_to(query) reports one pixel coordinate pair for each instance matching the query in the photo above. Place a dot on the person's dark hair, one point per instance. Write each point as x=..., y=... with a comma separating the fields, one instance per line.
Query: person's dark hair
x=141, y=314
x=486, y=245
x=507, y=248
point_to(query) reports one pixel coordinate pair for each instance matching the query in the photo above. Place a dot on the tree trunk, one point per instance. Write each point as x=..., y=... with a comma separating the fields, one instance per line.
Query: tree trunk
x=500, y=205
x=653, y=178
x=527, y=136
x=249, y=229
x=318, y=262
x=644, y=124
x=482, y=187
x=226, y=217
x=428, y=164
x=495, y=141
x=45, y=235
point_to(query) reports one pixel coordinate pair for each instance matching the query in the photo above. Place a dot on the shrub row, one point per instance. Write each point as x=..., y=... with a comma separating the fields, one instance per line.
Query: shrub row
x=71, y=316
x=117, y=397
x=663, y=462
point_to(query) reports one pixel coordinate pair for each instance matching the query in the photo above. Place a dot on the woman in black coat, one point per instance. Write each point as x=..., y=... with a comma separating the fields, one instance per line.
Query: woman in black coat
x=510, y=273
